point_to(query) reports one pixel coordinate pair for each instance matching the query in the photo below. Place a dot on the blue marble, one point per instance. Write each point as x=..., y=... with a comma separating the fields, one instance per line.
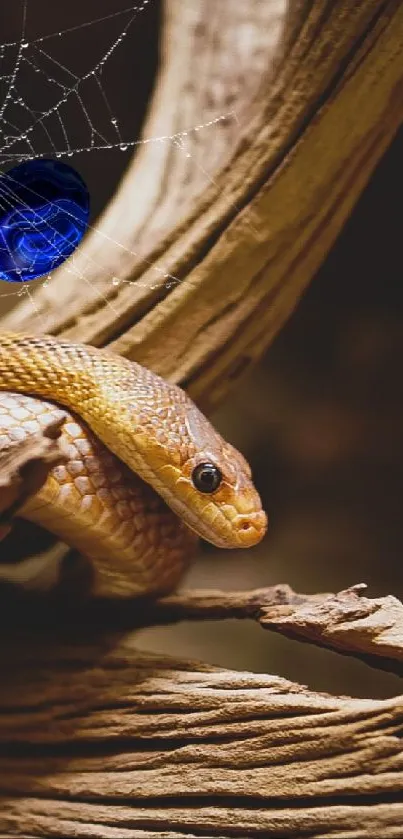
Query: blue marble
x=44, y=212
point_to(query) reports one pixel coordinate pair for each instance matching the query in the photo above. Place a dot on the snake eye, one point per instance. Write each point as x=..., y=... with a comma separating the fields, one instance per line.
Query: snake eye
x=206, y=477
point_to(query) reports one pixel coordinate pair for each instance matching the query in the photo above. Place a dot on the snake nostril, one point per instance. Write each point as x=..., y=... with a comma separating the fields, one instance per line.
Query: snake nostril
x=246, y=525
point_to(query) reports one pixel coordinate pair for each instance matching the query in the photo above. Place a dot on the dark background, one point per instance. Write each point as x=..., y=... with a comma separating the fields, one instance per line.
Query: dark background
x=321, y=419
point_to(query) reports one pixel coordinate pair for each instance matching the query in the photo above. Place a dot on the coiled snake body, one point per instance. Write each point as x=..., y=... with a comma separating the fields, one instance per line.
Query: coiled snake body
x=145, y=470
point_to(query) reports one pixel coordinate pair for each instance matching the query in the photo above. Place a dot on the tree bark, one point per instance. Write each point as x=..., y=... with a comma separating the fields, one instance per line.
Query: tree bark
x=284, y=109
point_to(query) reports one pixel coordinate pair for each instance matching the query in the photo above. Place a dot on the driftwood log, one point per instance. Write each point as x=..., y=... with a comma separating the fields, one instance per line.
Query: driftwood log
x=298, y=103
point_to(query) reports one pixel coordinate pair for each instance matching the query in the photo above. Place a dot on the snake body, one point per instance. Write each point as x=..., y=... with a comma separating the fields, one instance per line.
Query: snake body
x=127, y=497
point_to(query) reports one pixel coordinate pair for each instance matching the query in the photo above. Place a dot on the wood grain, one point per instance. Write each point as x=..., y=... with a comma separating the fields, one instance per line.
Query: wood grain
x=101, y=740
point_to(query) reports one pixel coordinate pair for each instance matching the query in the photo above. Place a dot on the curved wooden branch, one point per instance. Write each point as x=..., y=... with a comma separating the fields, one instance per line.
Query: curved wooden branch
x=232, y=235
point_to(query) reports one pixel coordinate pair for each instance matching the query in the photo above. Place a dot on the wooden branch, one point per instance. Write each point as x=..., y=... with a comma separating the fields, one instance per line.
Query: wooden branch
x=347, y=622
x=370, y=629
x=24, y=467
x=229, y=237
x=109, y=742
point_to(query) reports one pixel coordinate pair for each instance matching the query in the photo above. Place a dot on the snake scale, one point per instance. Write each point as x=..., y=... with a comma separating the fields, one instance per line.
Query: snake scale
x=145, y=470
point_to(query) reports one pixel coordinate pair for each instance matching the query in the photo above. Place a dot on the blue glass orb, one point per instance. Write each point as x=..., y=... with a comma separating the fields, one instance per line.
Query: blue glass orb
x=44, y=212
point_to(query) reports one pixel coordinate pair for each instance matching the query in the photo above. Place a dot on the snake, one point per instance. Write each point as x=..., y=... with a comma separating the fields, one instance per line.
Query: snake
x=145, y=474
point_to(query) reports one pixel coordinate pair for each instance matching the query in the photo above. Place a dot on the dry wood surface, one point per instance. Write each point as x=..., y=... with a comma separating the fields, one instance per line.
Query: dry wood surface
x=101, y=740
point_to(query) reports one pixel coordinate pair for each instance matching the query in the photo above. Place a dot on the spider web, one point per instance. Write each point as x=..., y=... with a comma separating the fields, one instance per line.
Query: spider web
x=53, y=106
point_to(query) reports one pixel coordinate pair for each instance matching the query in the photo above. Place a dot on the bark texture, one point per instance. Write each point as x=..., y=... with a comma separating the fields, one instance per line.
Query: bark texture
x=101, y=740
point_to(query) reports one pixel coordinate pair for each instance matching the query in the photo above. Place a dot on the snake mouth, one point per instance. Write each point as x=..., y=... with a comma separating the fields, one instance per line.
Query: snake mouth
x=250, y=529
x=245, y=531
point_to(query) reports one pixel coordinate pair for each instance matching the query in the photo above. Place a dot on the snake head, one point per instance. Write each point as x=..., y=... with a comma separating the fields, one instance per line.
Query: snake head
x=208, y=483
x=218, y=487
x=173, y=447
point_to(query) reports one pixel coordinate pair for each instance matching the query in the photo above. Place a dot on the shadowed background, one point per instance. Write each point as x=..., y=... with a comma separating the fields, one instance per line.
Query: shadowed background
x=320, y=420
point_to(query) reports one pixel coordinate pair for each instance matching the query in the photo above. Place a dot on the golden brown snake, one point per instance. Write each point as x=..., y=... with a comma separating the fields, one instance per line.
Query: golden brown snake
x=145, y=471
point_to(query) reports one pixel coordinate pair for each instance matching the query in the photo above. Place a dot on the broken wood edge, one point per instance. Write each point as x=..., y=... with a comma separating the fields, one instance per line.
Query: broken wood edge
x=24, y=469
x=369, y=629
x=25, y=466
